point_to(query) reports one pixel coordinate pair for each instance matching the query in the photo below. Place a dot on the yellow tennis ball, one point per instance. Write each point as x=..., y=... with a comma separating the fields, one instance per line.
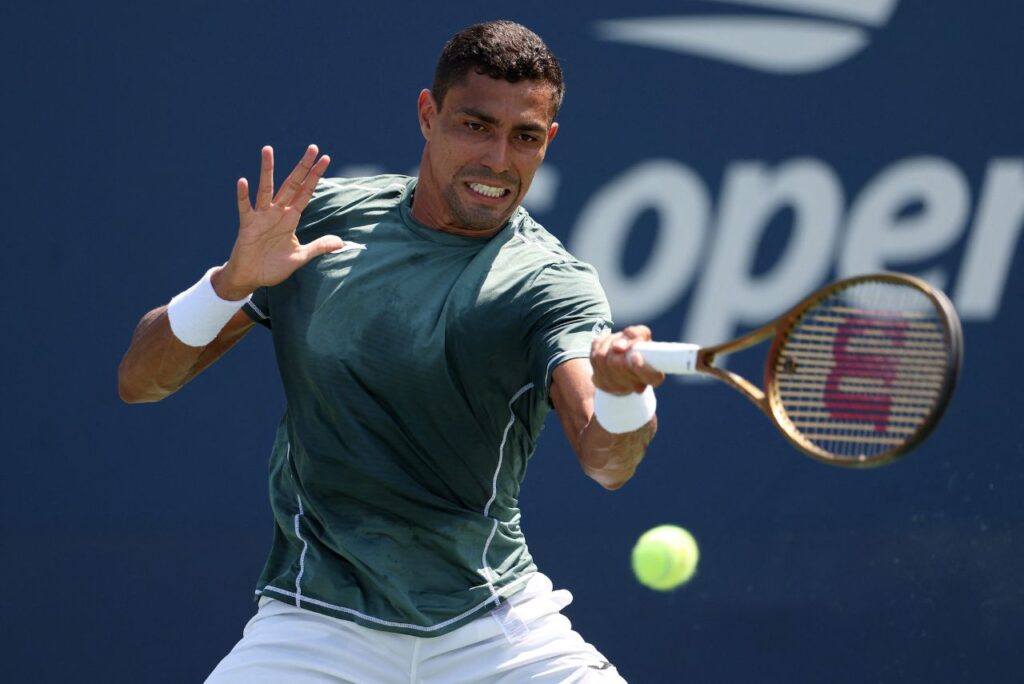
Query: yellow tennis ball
x=665, y=557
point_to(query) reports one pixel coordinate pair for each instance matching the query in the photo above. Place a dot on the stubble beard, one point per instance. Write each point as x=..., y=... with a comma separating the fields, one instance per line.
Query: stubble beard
x=472, y=218
x=478, y=218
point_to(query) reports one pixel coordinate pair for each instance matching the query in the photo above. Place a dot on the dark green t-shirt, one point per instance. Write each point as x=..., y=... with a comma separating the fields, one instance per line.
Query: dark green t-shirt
x=415, y=366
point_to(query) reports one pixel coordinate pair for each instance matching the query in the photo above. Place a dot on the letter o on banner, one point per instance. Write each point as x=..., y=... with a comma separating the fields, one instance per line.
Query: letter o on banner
x=677, y=194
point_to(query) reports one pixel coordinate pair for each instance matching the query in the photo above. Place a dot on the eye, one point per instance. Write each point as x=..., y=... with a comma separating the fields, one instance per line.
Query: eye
x=474, y=126
x=528, y=138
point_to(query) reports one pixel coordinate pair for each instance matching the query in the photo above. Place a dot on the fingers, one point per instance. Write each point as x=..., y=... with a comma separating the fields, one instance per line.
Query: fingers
x=323, y=245
x=308, y=186
x=297, y=188
x=293, y=183
x=242, y=189
x=648, y=374
x=634, y=333
x=617, y=367
x=265, y=194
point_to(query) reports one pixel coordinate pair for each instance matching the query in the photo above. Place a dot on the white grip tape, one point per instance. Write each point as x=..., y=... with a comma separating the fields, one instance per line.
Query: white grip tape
x=677, y=358
x=619, y=413
x=198, y=314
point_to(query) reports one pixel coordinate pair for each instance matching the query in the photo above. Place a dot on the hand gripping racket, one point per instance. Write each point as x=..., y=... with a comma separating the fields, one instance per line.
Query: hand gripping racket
x=857, y=374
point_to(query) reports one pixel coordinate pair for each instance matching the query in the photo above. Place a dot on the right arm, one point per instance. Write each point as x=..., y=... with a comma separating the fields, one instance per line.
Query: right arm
x=158, y=364
x=266, y=252
x=609, y=458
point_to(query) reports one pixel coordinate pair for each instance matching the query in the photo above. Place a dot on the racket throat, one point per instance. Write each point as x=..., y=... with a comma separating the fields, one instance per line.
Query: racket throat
x=739, y=383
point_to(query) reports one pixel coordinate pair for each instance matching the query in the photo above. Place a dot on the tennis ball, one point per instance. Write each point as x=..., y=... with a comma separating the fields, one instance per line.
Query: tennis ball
x=665, y=557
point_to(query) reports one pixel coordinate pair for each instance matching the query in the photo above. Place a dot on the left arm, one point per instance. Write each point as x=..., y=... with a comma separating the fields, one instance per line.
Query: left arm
x=610, y=459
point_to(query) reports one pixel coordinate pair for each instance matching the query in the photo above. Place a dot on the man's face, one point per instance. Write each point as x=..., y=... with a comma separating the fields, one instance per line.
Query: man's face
x=483, y=148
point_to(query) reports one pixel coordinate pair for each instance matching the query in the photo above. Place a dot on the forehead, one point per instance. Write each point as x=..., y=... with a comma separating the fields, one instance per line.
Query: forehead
x=522, y=102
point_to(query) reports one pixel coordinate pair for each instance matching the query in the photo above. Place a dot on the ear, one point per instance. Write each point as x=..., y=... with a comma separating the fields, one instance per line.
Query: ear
x=427, y=111
x=552, y=131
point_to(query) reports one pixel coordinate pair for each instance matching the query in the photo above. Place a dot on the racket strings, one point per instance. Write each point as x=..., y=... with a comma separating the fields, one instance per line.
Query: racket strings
x=863, y=370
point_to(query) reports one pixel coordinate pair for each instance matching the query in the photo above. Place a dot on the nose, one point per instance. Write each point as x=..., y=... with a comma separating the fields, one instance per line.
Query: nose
x=497, y=155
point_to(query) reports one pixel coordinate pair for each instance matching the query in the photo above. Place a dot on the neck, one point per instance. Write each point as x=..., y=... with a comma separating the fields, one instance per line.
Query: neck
x=430, y=210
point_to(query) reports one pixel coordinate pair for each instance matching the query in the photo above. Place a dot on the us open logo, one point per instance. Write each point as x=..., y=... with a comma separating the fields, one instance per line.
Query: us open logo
x=799, y=37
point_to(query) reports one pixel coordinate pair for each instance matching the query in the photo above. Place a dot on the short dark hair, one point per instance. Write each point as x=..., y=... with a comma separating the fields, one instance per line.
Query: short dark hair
x=499, y=49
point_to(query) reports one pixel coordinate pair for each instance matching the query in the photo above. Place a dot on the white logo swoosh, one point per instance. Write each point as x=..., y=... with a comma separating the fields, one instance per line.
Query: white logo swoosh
x=871, y=12
x=771, y=43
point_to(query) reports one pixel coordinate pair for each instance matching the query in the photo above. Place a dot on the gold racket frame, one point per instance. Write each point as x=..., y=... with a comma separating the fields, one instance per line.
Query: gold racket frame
x=768, y=400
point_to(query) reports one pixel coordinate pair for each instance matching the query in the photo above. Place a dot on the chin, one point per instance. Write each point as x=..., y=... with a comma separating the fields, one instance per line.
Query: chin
x=471, y=218
x=480, y=224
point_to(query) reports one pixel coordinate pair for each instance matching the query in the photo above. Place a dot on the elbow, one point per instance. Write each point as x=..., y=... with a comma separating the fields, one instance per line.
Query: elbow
x=128, y=393
x=131, y=395
x=132, y=391
x=128, y=396
x=610, y=480
x=611, y=486
x=125, y=390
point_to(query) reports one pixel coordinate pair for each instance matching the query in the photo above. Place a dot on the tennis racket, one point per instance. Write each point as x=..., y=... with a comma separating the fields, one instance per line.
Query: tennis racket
x=857, y=374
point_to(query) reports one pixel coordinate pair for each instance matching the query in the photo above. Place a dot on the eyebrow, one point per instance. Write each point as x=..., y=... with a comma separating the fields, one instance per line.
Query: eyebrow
x=487, y=118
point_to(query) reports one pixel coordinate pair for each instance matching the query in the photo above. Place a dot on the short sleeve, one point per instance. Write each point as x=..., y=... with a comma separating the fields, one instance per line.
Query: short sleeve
x=567, y=309
x=258, y=307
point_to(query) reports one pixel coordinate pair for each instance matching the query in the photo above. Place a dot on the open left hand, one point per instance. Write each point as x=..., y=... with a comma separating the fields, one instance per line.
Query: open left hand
x=266, y=250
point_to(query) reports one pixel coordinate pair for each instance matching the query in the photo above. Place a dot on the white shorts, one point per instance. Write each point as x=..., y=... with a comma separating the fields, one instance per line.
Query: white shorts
x=526, y=639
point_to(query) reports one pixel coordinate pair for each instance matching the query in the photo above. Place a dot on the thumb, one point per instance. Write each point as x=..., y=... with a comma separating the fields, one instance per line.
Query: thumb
x=327, y=243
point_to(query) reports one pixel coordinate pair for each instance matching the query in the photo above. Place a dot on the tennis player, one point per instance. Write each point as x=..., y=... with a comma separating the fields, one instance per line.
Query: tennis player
x=423, y=328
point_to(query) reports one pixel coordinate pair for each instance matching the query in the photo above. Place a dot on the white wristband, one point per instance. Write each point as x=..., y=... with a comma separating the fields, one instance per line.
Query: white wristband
x=619, y=413
x=198, y=314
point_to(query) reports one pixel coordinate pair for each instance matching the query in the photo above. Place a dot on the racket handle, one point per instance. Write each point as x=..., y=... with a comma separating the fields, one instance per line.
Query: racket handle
x=676, y=358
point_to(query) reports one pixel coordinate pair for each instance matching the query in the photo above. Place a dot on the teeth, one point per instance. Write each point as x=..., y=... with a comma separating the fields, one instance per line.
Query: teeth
x=487, y=190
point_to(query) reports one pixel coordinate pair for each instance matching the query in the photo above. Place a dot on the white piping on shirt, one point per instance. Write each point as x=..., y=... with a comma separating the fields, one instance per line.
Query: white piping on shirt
x=305, y=544
x=257, y=310
x=302, y=556
x=495, y=597
x=494, y=487
x=563, y=356
x=493, y=600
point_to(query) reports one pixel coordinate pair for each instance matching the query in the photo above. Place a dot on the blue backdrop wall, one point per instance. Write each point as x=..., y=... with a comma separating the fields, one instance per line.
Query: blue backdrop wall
x=717, y=160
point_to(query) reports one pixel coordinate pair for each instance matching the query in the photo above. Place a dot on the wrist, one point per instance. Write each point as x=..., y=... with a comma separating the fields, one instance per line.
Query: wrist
x=620, y=413
x=198, y=314
x=223, y=283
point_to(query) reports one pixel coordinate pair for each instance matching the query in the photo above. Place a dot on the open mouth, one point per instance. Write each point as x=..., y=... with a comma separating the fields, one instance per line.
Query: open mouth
x=488, y=191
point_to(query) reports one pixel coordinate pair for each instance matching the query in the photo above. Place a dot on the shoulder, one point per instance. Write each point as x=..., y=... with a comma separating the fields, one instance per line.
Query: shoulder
x=548, y=259
x=340, y=193
x=349, y=199
x=534, y=241
x=550, y=273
